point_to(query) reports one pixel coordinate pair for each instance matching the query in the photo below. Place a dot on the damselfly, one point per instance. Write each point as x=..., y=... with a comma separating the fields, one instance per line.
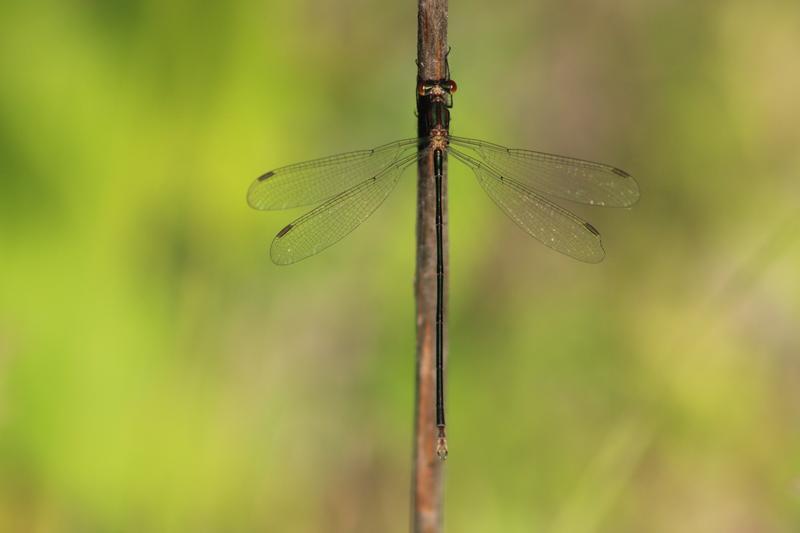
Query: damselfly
x=524, y=184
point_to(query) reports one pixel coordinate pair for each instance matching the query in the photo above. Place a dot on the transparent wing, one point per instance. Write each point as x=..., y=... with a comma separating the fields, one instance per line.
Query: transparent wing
x=570, y=179
x=315, y=181
x=333, y=220
x=554, y=226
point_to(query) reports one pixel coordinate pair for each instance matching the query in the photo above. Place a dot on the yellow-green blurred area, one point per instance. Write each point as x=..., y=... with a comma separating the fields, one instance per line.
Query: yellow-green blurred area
x=159, y=374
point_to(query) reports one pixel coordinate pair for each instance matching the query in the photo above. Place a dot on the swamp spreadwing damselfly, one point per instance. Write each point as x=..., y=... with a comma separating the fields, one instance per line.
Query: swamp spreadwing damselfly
x=349, y=187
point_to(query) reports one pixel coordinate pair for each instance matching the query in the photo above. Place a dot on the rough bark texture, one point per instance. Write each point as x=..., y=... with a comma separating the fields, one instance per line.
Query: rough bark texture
x=427, y=477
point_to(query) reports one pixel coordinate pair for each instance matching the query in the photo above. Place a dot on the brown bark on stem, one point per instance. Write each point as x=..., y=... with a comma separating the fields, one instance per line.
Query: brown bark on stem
x=428, y=469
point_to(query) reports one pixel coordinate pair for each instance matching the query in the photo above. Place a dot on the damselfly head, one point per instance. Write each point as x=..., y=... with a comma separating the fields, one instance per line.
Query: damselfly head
x=436, y=87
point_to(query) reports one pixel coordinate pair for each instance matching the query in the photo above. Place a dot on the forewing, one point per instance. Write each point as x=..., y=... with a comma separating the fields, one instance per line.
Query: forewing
x=562, y=177
x=312, y=182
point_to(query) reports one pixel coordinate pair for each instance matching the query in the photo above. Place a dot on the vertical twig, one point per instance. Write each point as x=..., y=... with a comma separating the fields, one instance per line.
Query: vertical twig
x=427, y=476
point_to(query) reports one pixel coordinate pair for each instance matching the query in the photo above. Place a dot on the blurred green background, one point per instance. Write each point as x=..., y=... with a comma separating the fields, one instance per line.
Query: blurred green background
x=158, y=373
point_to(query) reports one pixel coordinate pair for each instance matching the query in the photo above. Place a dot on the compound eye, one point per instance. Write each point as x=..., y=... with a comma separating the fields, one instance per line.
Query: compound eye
x=422, y=88
x=451, y=86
